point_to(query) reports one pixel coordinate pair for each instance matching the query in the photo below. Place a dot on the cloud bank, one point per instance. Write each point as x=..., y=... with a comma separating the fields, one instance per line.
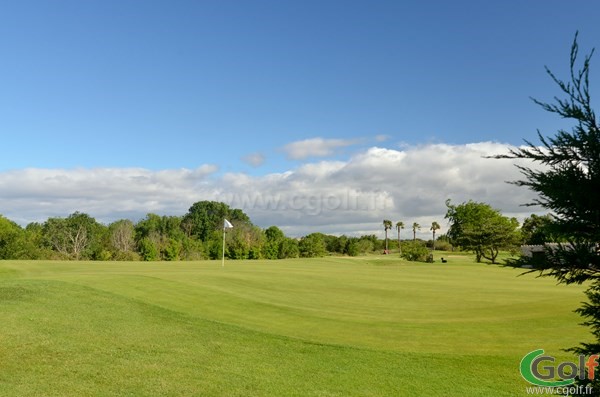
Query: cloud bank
x=351, y=197
x=315, y=147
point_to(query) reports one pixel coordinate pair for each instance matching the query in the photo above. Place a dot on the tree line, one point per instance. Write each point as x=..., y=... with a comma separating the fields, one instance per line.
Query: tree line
x=475, y=227
x=193, y=236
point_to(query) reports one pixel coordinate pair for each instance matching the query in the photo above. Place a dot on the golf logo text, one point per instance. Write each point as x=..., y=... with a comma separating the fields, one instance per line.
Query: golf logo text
x=541, y=370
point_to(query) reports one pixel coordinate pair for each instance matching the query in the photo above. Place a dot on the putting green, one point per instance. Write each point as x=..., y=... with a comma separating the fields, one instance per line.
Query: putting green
x=323, y=327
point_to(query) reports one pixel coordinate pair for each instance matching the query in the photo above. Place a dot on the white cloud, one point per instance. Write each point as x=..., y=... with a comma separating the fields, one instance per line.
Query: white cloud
x=382, y=138
x=107, y=193
x=351, y=197
x=315, y=147
x=254, y=159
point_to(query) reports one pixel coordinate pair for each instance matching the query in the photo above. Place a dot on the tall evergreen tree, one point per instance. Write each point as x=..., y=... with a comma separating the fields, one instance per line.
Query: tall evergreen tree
x=568, y=185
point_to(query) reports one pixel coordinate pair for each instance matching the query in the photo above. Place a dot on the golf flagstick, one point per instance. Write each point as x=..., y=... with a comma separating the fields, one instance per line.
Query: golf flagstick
x=226, y=225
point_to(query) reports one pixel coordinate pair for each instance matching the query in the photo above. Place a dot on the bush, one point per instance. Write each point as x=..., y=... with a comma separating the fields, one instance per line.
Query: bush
x=414, y=251
x=352, y=247
x=288, y=248
x=440, y=245
x=126, y=256
x=192, y=249
x=148, y=250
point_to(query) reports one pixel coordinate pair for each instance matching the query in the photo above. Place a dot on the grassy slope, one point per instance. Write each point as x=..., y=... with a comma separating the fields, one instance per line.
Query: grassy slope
x=336, y=326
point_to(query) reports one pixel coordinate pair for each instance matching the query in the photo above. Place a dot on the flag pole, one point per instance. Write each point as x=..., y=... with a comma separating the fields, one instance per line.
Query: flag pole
x=223, y=257
x=226, y=225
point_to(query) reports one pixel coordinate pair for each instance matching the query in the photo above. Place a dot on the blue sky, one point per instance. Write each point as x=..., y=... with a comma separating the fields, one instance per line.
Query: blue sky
x=266, y=87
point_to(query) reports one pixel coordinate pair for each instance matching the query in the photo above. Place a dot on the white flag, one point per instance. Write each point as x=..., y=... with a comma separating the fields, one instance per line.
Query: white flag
x=227, y=224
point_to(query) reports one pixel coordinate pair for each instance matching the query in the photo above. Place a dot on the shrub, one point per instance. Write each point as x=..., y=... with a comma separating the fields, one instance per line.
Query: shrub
x=414, y=251
x=288, y=248
x=352, y=247
x=126, y=256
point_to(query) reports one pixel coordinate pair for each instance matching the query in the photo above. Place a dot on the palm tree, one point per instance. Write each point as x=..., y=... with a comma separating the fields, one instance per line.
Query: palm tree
x=387, y=225
x=434, y=226
x=415, y=227
x=399, y=226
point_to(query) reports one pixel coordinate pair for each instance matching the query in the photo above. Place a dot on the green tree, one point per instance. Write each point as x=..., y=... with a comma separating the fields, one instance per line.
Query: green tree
x=568, y=185
x=273, y=233
x=12, y=239
x=273, y=240
x=148, y=225
x=278, y=246
x=387, y=225
x=162, y=234
x=214, y=244
x=148, y=249
x=74, y=237
x=332, y=243
x=204, y=217
x=244, y=241
x=171, y=249
x=19, y=243
x=342, y=244
x=368, y=243
x=289, y=248
x=192, y=249
x=415, y=227
x=399, y=226
x=312, y=245
x=122, y=239
x=34, y=240
x=480, y=228
x=353, y=247
x=537, y=230
x=434, y=226
x=150, y=238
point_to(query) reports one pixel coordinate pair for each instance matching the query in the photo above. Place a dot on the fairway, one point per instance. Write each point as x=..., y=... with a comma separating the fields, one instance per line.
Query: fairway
x=370, y=326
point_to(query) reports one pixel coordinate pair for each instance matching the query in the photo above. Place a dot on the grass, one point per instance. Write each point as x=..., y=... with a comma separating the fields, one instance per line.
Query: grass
x=372, y=326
